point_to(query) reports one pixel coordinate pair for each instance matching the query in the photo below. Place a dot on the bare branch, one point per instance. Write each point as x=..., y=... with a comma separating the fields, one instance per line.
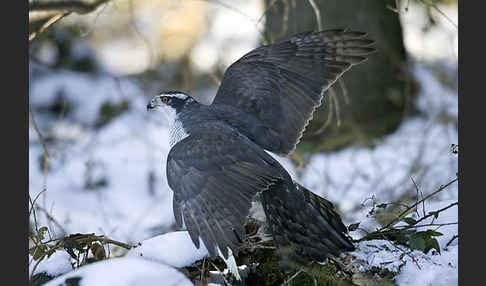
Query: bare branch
x=344, y=90
x=452, y=239
x=45, y=155
x=38, y=16
x=428, y=3
x=270, y=6
x=78, y=6
x=52, y=219
x=292, y=277
x=405, y=212
x=44, y=13
x=317, y=12
x=47, y=24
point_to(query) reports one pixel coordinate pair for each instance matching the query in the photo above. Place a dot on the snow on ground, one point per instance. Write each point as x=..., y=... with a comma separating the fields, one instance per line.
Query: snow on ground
x=418, y=268
x=123, y=272
x=86, y=92
x=173, y=248
x=435, y=269
x=59, y=263
x=124, y=207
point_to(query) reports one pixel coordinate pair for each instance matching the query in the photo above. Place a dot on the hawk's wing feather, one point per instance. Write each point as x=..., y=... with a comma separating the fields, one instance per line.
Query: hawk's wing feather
x=215, y=174
x=282, y=83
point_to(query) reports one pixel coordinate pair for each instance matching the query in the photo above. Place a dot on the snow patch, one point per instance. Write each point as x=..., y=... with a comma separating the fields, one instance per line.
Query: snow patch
x=57, y=264
x=173, y=248
x=124, y=272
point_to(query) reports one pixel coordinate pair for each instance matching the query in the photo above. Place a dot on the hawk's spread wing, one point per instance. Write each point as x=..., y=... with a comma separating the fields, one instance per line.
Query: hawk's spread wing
x=215, y=174
x=282, y=83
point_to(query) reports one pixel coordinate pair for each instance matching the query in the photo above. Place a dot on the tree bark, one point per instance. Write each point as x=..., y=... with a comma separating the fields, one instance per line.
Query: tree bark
x=379, y=90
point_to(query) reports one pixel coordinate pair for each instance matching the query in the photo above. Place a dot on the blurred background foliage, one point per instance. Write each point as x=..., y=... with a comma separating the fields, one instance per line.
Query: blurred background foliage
x=186, y=45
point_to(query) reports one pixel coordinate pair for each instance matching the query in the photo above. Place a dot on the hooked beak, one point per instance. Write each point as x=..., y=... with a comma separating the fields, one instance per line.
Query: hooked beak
x=150, y=106
x=153, y=104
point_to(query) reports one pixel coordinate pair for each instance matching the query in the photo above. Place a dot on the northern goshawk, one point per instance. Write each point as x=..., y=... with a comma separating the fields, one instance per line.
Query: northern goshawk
x=217, y=165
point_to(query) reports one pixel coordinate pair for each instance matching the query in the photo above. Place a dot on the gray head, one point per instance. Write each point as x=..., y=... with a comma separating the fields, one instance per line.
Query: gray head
x=170, y=103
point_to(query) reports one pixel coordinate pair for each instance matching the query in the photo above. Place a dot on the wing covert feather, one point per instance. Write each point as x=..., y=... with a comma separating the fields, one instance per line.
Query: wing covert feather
x=215, y=174
x=283, y=83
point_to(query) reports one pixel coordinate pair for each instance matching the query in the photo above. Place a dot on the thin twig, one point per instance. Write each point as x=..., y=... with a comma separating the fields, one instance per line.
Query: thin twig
x=421, y=195
x=405, y=212
x=317, y=12
x=293, y=276
x=35, y=266
x=47, y=24
x=222, y=274
x=32, y=210
x=426, y=2
x=93, y=24
x=32, y=202
x=436, y=212
x=285, y=19
x=452, y=239
x=266, y=11
x=336, y=106
x=45, y=154
x=121, y=244
x=84, y=238
x=202, y=271
x=340, y=265
x=385, y=233
x=429, y=224
x=344, y=90
x=405, y=252
x=51, y=218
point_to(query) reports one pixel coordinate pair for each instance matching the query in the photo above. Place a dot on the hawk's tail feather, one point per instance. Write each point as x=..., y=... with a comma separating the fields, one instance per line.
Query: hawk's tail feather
x=303, y=224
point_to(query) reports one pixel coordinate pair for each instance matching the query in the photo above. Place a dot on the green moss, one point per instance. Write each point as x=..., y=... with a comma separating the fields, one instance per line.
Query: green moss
x=325, y=275
x=270, y=271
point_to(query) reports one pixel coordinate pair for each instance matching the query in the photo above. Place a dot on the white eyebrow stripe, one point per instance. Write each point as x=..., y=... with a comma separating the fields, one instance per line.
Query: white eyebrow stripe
x=176, y=95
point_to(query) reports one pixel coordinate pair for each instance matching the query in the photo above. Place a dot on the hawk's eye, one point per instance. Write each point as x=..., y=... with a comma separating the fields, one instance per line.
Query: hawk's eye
x=165, y=99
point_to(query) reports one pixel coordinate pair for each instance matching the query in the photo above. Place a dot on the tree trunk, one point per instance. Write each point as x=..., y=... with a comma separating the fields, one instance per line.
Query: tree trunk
x=378, y=92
